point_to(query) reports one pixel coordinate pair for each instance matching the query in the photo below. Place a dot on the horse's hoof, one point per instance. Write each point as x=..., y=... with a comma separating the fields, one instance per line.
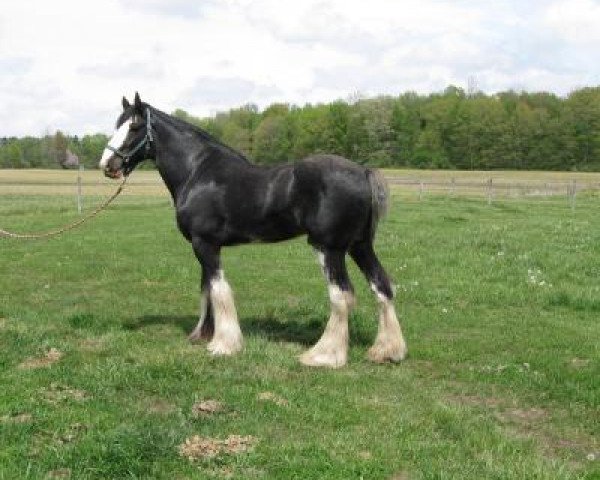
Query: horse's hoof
x=217, y=348
x=323, y=359
x=387, y=352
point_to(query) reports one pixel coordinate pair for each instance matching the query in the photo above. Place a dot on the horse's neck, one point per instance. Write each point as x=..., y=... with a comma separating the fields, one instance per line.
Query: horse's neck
x=175, y=153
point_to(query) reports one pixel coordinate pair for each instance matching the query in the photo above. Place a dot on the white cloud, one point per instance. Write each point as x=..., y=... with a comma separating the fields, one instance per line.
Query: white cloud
x=65, y=64
x=577, y=21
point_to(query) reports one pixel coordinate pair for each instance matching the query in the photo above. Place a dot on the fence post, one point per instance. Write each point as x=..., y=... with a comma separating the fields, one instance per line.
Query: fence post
x=79, y=199
x=452, y=186
x=490, y=186
x=573, y=194
x=421, y=186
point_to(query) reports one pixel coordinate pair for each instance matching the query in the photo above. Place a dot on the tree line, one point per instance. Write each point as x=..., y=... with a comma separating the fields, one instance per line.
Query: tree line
x=452, y=129
x=50, y=150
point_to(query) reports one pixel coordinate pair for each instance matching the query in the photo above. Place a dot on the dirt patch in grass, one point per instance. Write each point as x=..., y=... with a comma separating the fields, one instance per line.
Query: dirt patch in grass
x=535, y=422
x=576, y=450
x=57, y=393
x=522, y=416
x=274, y=398
x=205, y=408
x=91, y=344
x=46, y=439
x=579, y=362
x=477, y=401
x=157, y=405
x=70, y=434
x=59, y=473
x=400, y=476
x=365, y=455
x=223, y=472
x=197, y=447
x=504, y=410
x=18, y=418
x=51, y=356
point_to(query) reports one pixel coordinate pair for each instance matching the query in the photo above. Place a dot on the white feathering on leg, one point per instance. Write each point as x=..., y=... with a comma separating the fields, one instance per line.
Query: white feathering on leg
x=389, y=344
x=332, y=348
x=227, y=338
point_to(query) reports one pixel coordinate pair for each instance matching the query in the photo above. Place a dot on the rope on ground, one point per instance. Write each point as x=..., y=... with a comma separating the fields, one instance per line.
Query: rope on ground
x=70, y=226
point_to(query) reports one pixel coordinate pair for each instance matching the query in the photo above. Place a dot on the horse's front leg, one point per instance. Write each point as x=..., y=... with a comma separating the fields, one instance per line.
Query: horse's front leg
x=205, y=328
x=216, y=295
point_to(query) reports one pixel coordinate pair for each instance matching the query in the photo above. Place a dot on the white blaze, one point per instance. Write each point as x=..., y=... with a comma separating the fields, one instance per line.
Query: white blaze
x=116, y=141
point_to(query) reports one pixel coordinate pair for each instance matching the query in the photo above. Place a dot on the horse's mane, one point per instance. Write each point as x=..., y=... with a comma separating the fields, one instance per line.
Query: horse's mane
x=182, y=124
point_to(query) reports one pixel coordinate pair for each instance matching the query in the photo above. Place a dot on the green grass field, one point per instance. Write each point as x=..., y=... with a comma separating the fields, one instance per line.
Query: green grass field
x=500, y=306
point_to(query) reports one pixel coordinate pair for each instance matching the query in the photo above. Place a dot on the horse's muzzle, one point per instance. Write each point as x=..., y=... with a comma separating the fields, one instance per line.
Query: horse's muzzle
x=113, y=173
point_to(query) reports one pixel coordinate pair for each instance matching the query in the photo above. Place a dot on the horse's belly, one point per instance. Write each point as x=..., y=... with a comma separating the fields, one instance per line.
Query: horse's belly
x=273, y=228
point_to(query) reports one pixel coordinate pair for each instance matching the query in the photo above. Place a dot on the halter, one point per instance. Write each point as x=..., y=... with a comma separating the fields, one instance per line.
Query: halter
x=147, y=140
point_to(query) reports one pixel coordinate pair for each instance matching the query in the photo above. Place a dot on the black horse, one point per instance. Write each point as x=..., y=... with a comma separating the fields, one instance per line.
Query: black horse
x=222, y=199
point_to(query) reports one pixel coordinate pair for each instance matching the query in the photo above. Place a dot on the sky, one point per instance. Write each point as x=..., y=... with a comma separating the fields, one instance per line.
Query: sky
x=65, y=64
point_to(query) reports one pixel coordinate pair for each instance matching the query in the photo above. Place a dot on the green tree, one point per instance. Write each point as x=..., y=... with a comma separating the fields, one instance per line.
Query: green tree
x=90, y=149
x=59, y=147
x=272, y=137
x=583, y=110
x=310, y=131
x=11, y=154
x=448, y=129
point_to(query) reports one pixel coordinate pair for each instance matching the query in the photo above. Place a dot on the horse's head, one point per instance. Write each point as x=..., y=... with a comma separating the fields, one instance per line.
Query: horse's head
x=131, y=142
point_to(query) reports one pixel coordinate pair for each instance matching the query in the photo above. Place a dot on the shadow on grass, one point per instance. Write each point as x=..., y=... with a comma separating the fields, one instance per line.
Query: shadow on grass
x=184, y=322
x=305, y=332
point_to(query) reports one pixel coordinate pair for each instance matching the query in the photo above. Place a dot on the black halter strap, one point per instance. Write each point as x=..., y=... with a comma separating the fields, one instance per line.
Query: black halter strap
x=147, y=140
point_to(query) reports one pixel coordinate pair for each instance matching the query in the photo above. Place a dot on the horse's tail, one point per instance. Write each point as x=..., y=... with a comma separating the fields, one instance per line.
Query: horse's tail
x=380, y=194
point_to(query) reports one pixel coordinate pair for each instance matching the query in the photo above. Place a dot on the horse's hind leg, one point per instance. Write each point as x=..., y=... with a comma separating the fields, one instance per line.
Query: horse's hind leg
x=205, y=328
x=332, y=348
x=216, y=294
x=389, y=344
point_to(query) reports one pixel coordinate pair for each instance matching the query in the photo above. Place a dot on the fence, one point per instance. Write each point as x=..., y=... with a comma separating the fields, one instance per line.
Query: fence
x=417, y=184
x=492, y=188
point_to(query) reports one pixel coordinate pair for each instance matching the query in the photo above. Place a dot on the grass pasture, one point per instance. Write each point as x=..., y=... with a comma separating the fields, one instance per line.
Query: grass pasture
x=500, y=305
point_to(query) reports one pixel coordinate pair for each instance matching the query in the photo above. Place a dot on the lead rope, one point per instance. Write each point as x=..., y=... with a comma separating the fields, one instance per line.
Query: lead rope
x=70, y=226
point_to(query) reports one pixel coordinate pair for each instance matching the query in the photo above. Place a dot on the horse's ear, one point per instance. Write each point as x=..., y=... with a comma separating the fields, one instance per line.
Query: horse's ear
x=137, y=102
x=125, y=103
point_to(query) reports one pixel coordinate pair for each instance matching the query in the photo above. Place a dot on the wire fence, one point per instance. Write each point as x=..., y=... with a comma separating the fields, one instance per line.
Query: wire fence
x=417, y=184
x=492, y=189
